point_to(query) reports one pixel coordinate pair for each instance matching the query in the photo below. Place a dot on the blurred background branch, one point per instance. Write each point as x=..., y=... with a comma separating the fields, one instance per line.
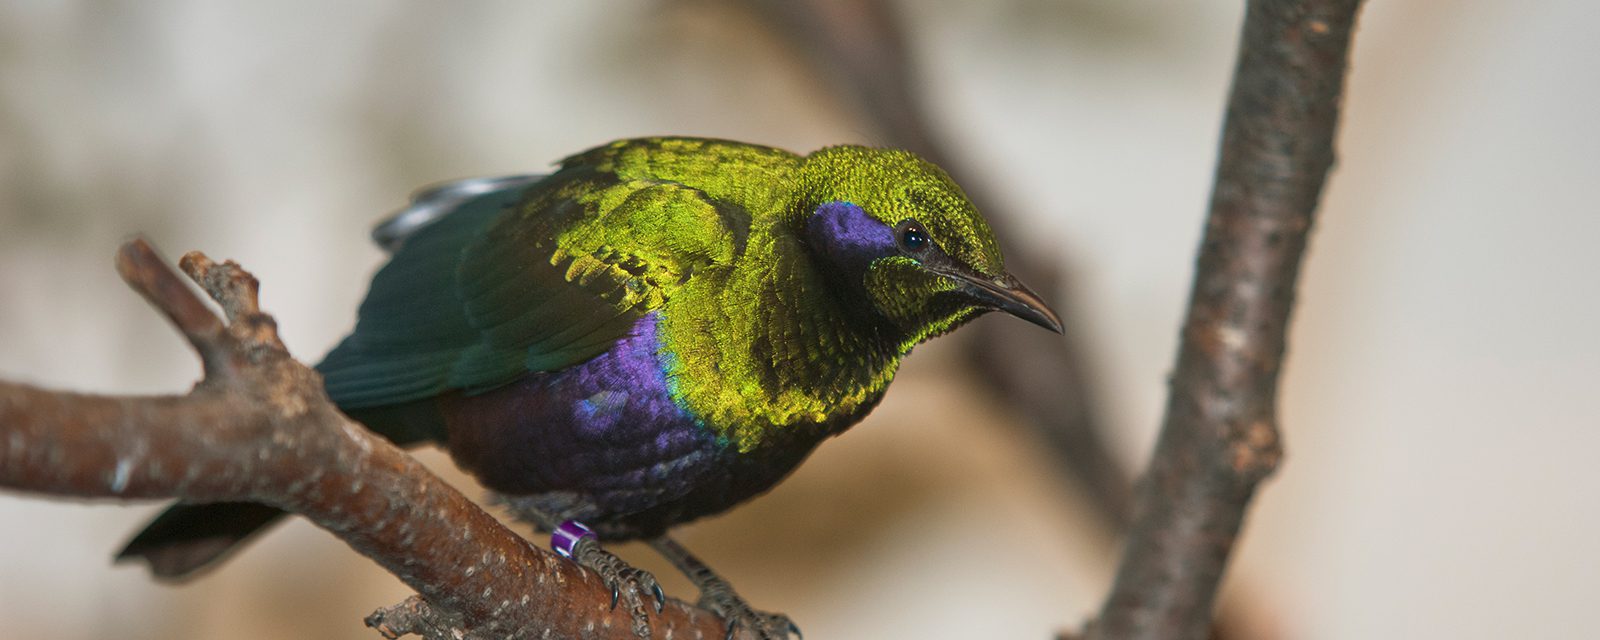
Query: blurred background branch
x=859, y=48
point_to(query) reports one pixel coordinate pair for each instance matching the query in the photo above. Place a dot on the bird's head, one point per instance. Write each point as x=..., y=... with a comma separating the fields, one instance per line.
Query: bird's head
x=898, y=228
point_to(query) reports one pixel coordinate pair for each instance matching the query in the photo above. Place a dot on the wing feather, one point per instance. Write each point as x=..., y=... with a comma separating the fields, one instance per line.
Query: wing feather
x=528, y=277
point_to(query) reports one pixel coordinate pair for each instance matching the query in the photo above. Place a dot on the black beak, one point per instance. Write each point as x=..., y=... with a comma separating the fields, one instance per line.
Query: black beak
x=1006, y=294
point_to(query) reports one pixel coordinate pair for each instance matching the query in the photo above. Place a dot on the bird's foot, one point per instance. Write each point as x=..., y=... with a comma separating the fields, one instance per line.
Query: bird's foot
x=717, y=596
x=628, y=584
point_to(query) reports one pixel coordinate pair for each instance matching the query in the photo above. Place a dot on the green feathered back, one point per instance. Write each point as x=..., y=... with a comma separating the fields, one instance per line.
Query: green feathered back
x=537, y=278
x=709, y=234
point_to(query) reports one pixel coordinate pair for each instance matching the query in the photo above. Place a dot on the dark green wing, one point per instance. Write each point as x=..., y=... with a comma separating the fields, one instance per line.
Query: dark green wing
x=525, y=278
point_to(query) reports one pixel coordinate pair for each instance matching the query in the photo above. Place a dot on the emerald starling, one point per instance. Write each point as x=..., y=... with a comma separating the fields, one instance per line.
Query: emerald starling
x=659, y=330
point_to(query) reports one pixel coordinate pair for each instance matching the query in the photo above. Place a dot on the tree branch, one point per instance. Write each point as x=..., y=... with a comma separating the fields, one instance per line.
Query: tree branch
x=1220, y=435
x=258, y=427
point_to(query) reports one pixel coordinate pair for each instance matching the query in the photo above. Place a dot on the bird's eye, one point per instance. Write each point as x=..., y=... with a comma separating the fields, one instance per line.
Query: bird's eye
x=912, y=236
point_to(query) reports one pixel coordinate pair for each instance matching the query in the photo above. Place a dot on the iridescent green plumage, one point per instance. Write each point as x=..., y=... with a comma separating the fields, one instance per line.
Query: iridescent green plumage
x=655, y=332
x=708, y=233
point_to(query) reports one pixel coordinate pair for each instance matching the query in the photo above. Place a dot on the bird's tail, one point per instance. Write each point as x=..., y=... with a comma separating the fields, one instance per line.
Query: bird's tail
x=189, y=537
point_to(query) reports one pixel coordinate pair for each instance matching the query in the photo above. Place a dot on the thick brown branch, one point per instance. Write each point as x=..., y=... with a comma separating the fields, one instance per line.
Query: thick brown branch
x=1220, y=435
x=259, y=428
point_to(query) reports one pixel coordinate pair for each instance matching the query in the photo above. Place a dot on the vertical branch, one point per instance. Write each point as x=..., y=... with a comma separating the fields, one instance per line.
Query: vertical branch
x=1220, y=436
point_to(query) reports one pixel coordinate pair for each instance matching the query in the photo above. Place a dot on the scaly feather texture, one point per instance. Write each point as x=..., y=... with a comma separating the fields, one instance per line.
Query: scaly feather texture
x=663, y=327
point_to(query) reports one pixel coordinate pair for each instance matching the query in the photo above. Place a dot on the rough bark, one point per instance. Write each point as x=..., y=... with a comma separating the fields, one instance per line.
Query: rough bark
x=1220, y=436
x=259, y=428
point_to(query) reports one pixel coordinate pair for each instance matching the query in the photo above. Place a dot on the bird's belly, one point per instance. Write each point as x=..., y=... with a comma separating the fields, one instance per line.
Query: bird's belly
x=604, y=443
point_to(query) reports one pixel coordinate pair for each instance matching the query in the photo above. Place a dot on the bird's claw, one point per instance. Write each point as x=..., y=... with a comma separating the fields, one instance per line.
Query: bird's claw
x=737, y=614
x=627, y=583
x=769, y=626
x=655, y=590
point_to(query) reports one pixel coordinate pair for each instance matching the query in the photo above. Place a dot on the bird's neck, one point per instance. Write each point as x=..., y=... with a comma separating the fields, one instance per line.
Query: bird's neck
x=767, y=351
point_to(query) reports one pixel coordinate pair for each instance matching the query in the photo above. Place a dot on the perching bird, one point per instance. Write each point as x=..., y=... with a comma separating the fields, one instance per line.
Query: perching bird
x=661, y=329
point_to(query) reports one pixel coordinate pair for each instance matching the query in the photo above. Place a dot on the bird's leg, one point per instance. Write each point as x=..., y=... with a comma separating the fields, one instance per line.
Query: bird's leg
x=718, y=596
x=574, y=541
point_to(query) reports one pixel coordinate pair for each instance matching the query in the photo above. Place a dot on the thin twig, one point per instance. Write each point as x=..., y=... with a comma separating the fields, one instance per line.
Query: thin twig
x=1220, y=435
x=171, y=296
x=260, y=428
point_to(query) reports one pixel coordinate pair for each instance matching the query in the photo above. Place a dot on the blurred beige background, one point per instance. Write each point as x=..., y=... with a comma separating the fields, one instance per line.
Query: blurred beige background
x=1440, y=405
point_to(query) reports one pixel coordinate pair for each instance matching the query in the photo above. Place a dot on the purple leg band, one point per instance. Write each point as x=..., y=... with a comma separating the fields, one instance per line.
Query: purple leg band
x=566, y=536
